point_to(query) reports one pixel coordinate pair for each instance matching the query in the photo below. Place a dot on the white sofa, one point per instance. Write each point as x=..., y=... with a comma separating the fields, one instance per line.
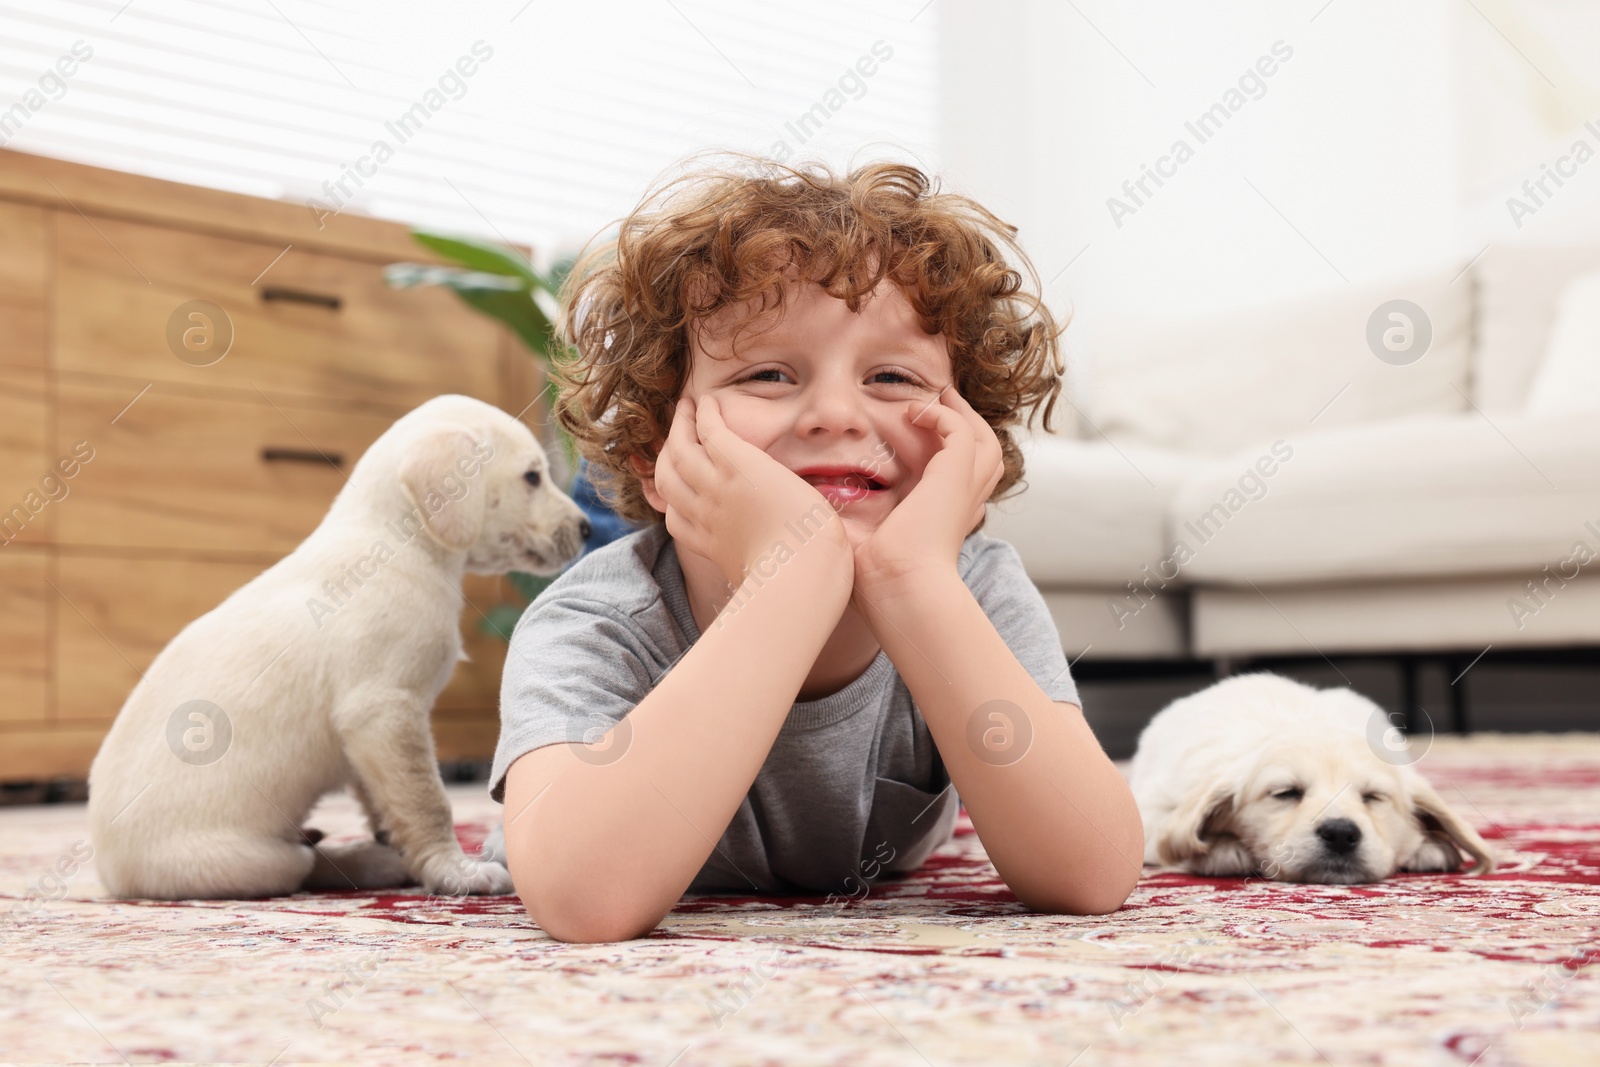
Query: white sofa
x=1408, y=506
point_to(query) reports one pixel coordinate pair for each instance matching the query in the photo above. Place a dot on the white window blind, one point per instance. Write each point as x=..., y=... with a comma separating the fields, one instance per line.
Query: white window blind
x=533, y=122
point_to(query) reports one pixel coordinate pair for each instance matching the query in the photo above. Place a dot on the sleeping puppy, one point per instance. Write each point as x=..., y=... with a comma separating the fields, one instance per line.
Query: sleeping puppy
x=321, y=672
x=1259, y=774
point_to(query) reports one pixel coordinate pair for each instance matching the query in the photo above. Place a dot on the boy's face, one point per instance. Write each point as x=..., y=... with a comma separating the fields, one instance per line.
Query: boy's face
x=828, y=387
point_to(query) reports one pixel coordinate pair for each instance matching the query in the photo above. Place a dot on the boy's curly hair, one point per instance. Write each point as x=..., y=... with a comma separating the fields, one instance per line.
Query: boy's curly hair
x=721, y=235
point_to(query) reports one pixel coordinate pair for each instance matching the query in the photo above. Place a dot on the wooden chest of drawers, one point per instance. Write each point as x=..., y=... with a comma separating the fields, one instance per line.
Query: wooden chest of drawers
x=207, y=367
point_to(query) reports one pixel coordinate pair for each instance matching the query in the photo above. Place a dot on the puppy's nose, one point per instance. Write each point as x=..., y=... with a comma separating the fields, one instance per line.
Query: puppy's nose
x=584, y=529
x=1339, y=836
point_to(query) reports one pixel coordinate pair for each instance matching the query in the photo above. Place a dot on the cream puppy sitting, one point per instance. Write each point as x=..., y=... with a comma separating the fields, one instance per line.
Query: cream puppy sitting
x=321, y=673
x=1260, y=774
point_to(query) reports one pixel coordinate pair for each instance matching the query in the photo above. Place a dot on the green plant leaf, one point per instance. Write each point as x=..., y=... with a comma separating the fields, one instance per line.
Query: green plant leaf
x=518, y=311
x=516, y=308
x=530, y=585
x=480, y=255
x=500, y=620
x=558, y=274
x=414, y=275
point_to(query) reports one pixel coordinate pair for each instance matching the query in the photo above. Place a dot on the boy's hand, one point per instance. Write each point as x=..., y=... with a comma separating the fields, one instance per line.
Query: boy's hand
x=923, y=534
x=731, y=502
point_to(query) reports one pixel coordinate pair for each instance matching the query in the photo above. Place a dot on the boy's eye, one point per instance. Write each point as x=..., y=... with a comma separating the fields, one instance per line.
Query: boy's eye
x=904, y=377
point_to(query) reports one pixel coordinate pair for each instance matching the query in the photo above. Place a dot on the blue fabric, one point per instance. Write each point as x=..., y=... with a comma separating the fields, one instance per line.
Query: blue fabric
x=606, y=524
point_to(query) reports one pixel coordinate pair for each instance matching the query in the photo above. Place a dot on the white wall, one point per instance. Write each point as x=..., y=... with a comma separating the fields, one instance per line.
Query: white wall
x=1350, y=140
x=1528, y=90
x=1387, y=144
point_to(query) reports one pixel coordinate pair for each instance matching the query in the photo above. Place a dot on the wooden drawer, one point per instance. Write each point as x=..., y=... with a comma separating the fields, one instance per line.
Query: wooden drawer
x=119, y=613
x=308, y=325
x=24, y=276
x=185, y=471
x=25, y=599
x=32, y=490
x=466, y=735
x=39, y=753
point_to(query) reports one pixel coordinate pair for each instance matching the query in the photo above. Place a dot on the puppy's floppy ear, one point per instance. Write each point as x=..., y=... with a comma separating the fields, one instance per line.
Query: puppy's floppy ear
x=1439, y=821
x=451, y=504
x=1183, y=836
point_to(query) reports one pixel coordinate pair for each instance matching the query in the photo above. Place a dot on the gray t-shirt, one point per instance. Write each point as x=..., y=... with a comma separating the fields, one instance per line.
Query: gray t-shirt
x=852, y=779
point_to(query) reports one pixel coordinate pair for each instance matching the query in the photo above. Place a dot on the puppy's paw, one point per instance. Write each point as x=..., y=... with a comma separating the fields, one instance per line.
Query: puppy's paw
x=494, y=846
x=1226, y=858
x=458, y=876
x=362, y=865
x=1438, y=853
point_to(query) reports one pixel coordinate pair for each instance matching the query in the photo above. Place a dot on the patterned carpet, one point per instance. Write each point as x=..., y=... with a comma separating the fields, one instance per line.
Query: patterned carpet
x=940, y=967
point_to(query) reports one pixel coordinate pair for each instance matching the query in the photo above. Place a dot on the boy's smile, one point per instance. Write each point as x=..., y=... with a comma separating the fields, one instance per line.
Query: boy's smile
x=844, y=485
x=825, y=391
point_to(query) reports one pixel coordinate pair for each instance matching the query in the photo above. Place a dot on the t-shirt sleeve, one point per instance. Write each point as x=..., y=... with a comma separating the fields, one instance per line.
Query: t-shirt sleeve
x=1017, y=609
x=574, y=668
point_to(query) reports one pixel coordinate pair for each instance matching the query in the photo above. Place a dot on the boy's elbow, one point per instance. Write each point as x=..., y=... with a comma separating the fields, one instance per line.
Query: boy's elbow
x=578, y=916
x=1120, y=869
x=1102, y=901
x=1090, y=900
x=1100, y=894
x=587, y=925
x=1118, y=882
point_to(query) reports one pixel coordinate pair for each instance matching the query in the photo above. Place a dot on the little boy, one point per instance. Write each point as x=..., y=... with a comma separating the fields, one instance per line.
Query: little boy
x=804, y=384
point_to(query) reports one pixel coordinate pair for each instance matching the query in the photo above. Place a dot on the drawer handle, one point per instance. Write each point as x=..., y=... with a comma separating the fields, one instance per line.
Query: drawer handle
x=302, y=455
x=299, y=296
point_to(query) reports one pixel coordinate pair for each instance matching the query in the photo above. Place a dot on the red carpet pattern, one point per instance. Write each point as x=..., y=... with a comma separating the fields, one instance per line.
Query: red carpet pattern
x=941, y=966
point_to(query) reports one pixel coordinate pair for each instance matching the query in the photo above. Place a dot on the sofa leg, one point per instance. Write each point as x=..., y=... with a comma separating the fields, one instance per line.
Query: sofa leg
x=1458, y=699
x=1223, y=666
x=1408, y=693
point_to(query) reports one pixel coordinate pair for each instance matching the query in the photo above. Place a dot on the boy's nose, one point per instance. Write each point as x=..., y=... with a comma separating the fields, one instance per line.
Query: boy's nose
x=834, y=407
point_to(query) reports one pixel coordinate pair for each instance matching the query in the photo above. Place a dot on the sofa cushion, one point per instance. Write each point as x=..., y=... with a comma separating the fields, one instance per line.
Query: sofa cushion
x=1092, y=513
x=1518, y=288
x=1568, y=378
x=1223, y=382
x=1392, y=616
x=1100, y=624
x=1431, y=495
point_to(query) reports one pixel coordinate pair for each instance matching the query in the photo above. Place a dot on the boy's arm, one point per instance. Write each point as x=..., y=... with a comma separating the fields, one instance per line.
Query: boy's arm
x=601, y=851
x=601, y=847
x=1060, y=823
x=1057, y=819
